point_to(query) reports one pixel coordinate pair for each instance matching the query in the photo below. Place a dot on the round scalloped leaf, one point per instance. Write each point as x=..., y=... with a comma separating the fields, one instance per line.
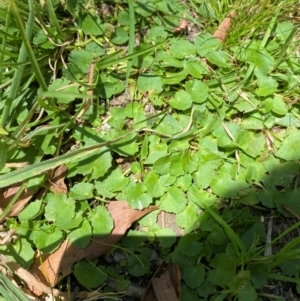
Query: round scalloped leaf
x=48, y=238
x=289, y=149
x=194, y=275
x=101, y=221
x=89, y=275
x=181, y=101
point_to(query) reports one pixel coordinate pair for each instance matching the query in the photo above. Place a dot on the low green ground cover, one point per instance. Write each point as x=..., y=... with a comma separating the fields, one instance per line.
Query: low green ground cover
x=141, y=112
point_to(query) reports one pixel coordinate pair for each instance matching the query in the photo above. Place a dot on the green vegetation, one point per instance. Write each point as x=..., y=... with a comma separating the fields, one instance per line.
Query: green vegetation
x=141, y=110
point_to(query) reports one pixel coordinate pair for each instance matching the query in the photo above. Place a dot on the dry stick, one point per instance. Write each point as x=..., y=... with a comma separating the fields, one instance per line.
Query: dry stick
x=289, y=210
x=224, y=27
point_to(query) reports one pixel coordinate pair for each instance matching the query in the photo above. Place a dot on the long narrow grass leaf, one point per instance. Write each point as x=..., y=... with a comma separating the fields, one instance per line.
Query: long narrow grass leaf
x=131, y=38
x=28, y=172
x=20, y=70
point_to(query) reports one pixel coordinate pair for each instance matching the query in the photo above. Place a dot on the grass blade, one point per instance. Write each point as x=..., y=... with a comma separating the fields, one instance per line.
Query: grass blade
x=27, y=172
x=18, y=71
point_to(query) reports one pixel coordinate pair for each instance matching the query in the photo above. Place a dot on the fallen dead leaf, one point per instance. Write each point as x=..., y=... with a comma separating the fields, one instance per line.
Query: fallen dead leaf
x=57, y=182
x=224, y=27
x=7, y=194
x=56, y=266
x=164, y=285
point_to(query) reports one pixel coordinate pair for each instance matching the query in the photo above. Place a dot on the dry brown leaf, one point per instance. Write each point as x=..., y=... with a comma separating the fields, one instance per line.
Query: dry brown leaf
x=164, y=285
x=59, y=264
x=224, y=27
x=57, y=183
x=163, y=288
x=7, y=194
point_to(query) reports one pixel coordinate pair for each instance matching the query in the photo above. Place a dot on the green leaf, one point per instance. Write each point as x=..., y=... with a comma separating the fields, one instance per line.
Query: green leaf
x=252, y=144
x=48, y=238
x=138, y=265
x=283, y=30
x=223, y=263
x=189, y=245
x=220, y=278
x=167, y=180
x=198, y=90
x=266, y=85
x=123, y=17
x=276, y=105
x=41, y=39
x=188, y=218
x=259, y=274
x=261, y=59
x=91, y=25
x=61, y=210
x=82, y=191
x=153, y=186
x=89, y=275
x=189, y=163
x=103, y=191
x=194, y=275
x=95, y=49
x=205, y=43
x=201, y=197
x=290, y=267
x=137, y=196
x=81, y=59
x=166, y=60
x=207, y=171
x=225, y=187
x=31, y=211
x=101, y=221
x=64, y=87
x=149, y=82
x=257, y=231
x=181, y=101
x=157, y=149
x=206, y=289
x=188, y=294
x=162, y=165
x=156, y=34
x=242, y=287
x=184, y=182
x=116, y=181
x=176, y=168
x=218, y=58
x=172, y=124
x=289, y=199
x=289, y=149
x=166, y=237
x=181, y=48
x=195, y=68
x=217, y=236
x=120, y=36
x=173, y=201
x=107, y=89
x=81, y=236
x=101, y=165
x=288, y=120
x=20, y=251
